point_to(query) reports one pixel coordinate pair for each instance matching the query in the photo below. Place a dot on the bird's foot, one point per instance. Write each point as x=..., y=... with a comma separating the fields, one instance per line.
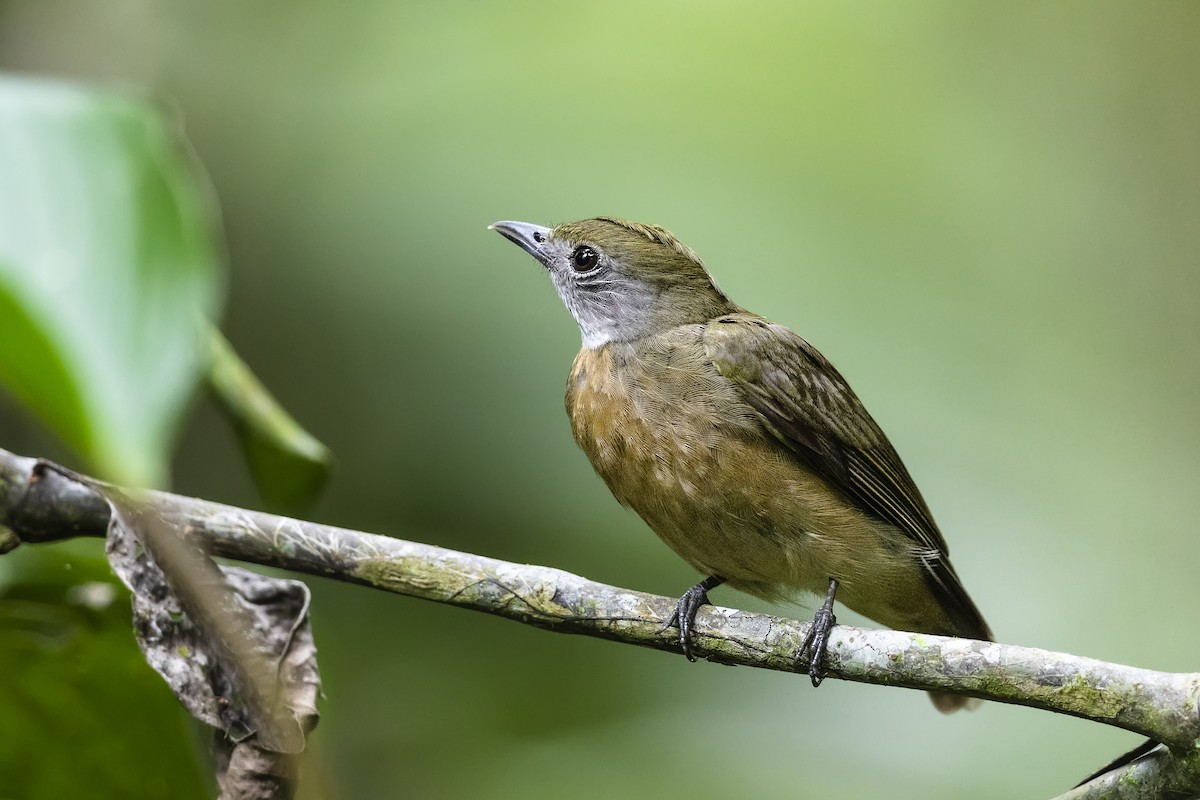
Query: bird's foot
x=684, y=616
x=812, y=649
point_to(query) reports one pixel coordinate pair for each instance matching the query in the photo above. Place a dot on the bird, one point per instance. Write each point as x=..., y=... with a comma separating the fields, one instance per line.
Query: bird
x=739, y=443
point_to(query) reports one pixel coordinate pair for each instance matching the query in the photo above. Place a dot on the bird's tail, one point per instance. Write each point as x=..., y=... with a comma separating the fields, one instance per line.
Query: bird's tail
x=962, y=619
x=949, y=703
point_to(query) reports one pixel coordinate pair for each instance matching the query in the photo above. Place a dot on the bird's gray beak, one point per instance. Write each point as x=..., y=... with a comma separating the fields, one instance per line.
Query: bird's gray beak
x=529, y=237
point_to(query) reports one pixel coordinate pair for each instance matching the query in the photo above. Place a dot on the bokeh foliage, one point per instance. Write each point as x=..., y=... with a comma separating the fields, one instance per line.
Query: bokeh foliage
x=985, y=214
x=108, y=273
x=107, y=263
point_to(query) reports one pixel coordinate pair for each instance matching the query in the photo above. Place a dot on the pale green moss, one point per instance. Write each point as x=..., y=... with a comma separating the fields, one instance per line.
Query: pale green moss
x=1079, y=696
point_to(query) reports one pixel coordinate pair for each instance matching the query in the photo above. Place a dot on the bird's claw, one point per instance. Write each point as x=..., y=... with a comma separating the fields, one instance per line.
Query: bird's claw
x=811, y=654
x=814, y=645
x=684, y=616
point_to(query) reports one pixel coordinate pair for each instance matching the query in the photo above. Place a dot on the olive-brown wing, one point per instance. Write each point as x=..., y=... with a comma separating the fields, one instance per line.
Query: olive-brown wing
x=808, y=406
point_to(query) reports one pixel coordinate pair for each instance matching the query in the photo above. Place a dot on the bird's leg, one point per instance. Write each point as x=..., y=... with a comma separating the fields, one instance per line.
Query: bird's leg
x=817, y=637
x=686, y=608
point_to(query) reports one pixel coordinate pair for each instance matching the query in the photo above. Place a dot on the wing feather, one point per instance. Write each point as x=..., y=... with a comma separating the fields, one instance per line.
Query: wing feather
x=808, y=406
x=811, y=409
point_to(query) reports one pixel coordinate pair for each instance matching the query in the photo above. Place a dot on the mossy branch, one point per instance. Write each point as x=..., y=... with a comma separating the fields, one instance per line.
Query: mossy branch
x=42, y=505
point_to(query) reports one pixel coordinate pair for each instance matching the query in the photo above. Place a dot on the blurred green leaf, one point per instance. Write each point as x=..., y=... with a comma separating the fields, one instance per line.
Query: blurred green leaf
x=79, y=699
x=107, y=252
x=289, y=466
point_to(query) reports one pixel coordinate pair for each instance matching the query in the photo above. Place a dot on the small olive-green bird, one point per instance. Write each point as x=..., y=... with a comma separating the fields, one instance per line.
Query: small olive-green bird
x=738, y=443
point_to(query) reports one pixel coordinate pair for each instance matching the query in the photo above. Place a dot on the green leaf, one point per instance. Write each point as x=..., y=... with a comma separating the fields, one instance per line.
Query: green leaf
x=290, y=467
x=108, y=261
x=82, y=714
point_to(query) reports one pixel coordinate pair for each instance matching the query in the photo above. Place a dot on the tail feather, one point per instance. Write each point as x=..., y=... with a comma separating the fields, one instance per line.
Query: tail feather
x=1128, y=758
x=957, y=605
x=965, y=620
x=949, y=703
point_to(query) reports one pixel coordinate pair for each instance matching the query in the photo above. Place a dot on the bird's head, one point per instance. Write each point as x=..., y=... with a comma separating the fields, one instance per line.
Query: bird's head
x=621, y=280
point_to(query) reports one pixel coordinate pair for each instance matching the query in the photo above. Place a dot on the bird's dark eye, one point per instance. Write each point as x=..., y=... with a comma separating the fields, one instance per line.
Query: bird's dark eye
x=584, y=258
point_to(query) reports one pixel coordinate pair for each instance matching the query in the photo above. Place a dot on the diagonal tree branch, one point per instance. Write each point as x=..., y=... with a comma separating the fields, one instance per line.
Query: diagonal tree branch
x=1160, y=775
x=41, y=505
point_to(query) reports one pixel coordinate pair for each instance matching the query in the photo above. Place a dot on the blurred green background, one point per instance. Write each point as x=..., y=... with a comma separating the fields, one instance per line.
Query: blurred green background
x=988, y=215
